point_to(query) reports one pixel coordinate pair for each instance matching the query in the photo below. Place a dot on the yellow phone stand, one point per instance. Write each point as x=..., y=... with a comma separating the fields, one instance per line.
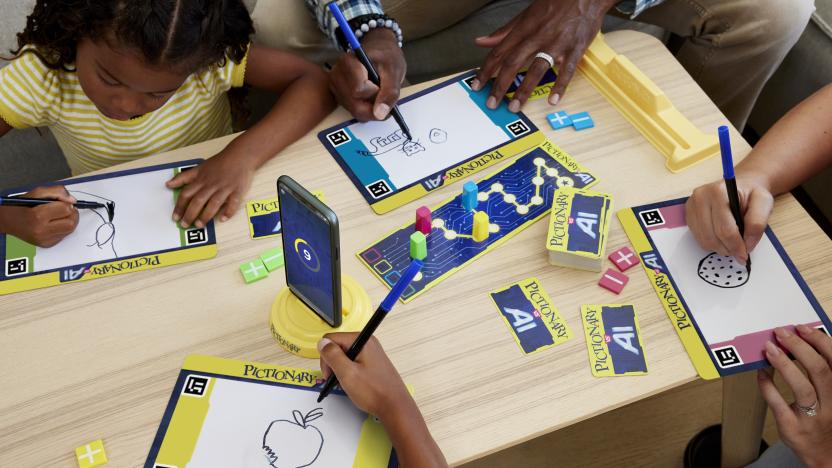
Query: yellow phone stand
x=297, y=329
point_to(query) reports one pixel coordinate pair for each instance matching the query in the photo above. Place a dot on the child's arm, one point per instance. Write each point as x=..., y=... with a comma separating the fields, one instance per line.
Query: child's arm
x=797, y=146
x=4, y=127
x=374, y=385
x=219, y=184
x=44, y=225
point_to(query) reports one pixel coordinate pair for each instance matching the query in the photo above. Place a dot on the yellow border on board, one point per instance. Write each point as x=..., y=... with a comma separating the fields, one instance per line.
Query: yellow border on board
x=553, y=151
x=417, y=190
x=180, y=439
x=670, y=299
x=113, y=268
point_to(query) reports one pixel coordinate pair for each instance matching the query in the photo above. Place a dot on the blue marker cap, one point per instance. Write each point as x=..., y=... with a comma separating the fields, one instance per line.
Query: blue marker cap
x=344, y=25
x=725, y=148
x=402, y=284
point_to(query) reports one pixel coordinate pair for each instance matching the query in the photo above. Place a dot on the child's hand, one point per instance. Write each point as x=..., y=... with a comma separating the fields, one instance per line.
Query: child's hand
x=805, y=425
x=215, y=186
x=712, y=224
x=44, y=225
x=371, y=381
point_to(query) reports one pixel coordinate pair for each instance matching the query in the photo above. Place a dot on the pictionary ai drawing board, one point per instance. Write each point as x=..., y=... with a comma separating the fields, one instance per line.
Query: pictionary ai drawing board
x=226, y=413
x=454, y=135
x=723, y=312
x=498, y=206
x=141, y=234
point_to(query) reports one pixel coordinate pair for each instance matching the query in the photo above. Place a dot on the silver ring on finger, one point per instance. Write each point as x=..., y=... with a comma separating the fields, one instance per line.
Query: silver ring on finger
x=810, y=411
x=546, y=57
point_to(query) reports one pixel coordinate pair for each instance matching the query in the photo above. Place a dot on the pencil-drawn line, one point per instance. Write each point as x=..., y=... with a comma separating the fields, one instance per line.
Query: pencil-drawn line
x=722, y=272
x=437, y=135
x=293, y=444
x=105, y=234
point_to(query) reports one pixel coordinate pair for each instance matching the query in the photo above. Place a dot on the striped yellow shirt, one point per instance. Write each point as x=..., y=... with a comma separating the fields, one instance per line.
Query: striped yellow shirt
x=32, y=95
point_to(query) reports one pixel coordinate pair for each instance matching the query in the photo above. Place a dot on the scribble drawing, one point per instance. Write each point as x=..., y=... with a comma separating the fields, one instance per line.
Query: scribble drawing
x=294, y=444
x=722, y=272
x=438, y=136
x=105, y=234
x=409, y=148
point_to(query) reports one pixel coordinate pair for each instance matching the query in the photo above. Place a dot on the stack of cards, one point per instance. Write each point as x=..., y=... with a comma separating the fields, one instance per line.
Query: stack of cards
x=578, y=227
x=613, y=339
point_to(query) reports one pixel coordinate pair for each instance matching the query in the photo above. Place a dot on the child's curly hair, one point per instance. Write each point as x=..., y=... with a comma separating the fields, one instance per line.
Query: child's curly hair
x=185, y=34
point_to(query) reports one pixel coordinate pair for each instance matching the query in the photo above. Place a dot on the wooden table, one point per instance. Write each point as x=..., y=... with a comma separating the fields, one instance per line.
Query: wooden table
x=99, y=359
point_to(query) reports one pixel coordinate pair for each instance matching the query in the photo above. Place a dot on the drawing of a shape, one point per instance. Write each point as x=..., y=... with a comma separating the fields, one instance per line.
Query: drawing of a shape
x=294, y=444
x=722, y=272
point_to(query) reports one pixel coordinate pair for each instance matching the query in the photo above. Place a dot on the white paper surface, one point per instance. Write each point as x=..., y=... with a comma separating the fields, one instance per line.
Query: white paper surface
x=771, y=297
x=241, y=412
x=142, y=222
x=447, y=127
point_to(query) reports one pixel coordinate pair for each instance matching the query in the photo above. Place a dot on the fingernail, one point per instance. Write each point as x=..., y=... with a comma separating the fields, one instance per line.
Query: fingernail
x=199, y=224
x=553, y=99
x=741, y=261
x=782, y=333
x=183, y=224
x=223, y=219
x=772, y=349
x=803, y=329
x=73, y=199
x=176, y=217
x=475, y=84
x=491, y=103
x=322, y=344
x=381, y=111
x=514, y=106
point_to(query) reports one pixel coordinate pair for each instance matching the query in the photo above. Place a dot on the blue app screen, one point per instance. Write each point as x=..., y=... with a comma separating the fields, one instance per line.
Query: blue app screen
x=306, y=243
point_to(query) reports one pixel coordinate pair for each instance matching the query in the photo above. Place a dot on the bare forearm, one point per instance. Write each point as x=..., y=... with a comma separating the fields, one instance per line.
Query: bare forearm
x=284, y=123
x=414, y=445
x=797, y=146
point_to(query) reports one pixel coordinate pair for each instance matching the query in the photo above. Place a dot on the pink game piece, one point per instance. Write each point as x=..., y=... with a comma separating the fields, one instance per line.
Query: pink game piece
x=613, y=280
x=423, y=221
x=624, y=258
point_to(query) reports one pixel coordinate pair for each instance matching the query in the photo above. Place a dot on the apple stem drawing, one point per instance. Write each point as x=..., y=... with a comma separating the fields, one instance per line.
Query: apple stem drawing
x=106, y=232
x=294, y=444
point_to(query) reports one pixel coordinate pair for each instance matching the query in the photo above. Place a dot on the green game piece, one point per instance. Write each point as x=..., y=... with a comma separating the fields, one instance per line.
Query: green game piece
x=418, y=246
x=253, y=271
x=273, y=259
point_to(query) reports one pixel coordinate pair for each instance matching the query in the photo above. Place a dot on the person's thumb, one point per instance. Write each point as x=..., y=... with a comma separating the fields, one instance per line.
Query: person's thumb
x=757, y=212
x=387, y=97
x=333, y=358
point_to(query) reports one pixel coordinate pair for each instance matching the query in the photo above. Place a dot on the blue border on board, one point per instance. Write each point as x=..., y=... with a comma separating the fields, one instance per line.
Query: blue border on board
x=354, y=178
x=177, y=392
x=783, y=255
x=209, y=228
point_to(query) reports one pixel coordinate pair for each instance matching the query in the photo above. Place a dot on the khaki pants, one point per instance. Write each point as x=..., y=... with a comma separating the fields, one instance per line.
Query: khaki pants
x=731, y=47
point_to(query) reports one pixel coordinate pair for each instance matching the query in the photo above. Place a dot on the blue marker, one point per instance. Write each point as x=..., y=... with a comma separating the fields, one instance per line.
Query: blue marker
x=362, y=57
x=385, y=307
x=731, y=183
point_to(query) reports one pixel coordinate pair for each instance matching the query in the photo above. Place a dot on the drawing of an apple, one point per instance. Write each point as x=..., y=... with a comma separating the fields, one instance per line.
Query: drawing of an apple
x=293, y=444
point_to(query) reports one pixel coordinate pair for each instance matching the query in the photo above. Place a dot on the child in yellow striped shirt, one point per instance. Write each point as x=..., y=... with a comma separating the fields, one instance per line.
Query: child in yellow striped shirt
x=117, y=80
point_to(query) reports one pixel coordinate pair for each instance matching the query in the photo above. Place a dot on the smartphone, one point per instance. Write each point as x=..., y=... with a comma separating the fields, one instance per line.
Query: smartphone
x=311, y=249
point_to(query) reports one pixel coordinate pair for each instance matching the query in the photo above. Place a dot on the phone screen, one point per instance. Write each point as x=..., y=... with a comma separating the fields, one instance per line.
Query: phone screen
x=307, y=240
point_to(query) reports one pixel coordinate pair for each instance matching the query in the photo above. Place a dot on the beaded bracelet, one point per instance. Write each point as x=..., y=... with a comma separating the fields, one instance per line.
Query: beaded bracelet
x=363, y=24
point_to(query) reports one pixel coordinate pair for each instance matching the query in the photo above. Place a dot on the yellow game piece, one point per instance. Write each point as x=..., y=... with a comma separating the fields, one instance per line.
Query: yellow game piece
x=480, y=226
x=646, y=107
x=92, y=454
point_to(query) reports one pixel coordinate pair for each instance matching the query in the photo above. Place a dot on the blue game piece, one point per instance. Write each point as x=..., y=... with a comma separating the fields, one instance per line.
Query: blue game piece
x=469, y=196
x=559, y=120
x=582, y=121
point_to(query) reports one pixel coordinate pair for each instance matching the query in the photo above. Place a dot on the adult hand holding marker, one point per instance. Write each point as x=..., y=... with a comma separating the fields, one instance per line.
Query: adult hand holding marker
x=361, y=55
x=365, y=335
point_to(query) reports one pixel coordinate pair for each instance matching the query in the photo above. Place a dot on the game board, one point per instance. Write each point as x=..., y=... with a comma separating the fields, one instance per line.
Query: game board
x=140, y=236
x=225, y=413
x=723, y=313
x=454, y=135
x=514, y=198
